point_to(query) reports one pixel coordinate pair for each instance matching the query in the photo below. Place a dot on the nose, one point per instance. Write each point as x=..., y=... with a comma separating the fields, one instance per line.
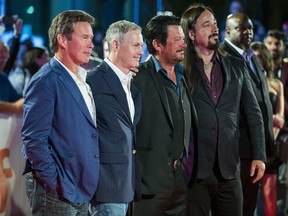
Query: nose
x=91, y=44
x=141, y=51
x=184, y=45
x=215, y=28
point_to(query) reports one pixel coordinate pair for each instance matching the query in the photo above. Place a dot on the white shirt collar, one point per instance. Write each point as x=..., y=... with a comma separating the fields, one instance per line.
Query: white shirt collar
x=239, y=50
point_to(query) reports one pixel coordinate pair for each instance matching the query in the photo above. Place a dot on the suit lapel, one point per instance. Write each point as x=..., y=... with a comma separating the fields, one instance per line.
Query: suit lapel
x=226, y=68
x=116, y=87
x=160, y=88
x=71, y=87
x=137, y=102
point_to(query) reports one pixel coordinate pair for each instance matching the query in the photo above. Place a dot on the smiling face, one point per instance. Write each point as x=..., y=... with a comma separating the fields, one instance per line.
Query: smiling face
x=129, y=50
x=173, y=51
x=205, y=34
x=79, y=48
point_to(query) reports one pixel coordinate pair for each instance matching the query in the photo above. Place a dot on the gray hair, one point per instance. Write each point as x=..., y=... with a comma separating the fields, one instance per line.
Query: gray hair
x=119, y=29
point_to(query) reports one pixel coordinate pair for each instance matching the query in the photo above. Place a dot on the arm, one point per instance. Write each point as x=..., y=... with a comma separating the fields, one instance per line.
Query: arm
x=278, y=117
x=12, y=107
x=15, y=45
x=37, y=129
x=256, y=127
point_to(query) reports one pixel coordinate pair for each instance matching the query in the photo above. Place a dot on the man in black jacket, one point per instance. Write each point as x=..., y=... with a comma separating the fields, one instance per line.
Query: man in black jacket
x=239, y=35
x=219, y=84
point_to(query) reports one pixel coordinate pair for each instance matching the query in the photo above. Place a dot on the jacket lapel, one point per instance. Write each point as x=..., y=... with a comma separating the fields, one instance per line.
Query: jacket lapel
x=115, y=86
x=160, y=88
x=71, y=87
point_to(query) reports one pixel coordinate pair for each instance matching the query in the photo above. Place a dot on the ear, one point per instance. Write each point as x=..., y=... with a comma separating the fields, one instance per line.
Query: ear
x=156, y=44
x=115, y=45
x=191, y=34
x=61, y=40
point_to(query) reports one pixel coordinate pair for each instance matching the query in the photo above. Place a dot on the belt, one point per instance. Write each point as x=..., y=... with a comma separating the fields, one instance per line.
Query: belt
x=176, y=164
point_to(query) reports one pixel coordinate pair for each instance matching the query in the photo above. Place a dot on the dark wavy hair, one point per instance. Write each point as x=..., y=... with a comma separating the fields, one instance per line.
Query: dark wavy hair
x=157, y=29
x=188, y=21
x=265, y=56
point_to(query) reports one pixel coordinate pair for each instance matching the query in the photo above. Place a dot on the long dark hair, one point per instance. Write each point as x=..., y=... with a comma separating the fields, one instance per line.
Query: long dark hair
x=188, y=21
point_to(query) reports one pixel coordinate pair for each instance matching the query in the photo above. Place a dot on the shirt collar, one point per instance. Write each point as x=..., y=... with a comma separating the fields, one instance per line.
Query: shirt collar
x=121, y=75
x=178, y=68
x=81, y=71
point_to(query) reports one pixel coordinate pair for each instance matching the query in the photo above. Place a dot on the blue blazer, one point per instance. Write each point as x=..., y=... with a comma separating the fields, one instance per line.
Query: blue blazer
x=119, y=180
x=59, y=136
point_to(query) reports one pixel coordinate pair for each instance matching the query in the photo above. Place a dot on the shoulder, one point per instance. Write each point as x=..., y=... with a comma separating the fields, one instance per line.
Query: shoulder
x=230, y=59
x=3, y=76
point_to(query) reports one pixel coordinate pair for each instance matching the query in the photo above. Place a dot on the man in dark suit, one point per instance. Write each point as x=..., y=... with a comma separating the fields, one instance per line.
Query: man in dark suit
x=219, y=85
x=168, y=118
x=118, y=111
x=59, y=131
x=239, y=35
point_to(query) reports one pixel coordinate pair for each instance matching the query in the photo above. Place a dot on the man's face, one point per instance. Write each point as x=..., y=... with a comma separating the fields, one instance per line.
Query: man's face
x=79, y=48
x=130, y=50
x=239, y=31
x=173, y=51
x=274, y=46
x=205, y=33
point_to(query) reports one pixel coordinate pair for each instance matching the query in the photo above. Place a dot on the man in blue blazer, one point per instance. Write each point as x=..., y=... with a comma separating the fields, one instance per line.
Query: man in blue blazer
x=59, y=131
x=118, y=111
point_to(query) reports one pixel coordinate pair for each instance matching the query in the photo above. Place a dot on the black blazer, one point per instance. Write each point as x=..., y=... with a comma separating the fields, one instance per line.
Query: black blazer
x=218, y=125
x=155, y=131
x=261, y=92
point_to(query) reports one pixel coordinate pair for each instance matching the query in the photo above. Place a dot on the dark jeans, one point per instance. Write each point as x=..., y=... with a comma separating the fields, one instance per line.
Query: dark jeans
x=50, y=203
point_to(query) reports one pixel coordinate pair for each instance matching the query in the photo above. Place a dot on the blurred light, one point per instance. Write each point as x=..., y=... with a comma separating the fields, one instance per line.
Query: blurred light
x=30, y=10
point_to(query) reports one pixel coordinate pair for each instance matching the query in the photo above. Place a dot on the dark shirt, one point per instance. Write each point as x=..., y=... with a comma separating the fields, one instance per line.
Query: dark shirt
x=7, y=92
x=179, y=74
x=216, y=85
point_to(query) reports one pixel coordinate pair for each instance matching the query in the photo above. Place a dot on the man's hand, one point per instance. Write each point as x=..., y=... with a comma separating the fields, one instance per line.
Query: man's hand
x=257, y=170
x=17, y=26
x=12, y=107
x=134, y=71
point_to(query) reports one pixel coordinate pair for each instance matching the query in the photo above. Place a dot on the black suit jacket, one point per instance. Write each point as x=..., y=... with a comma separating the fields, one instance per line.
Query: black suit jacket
x=218, y=124
x=261, y=92
x=155, y=131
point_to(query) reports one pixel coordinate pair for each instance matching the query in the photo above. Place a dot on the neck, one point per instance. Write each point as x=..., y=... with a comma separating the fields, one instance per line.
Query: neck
x=169, y=67
x=206, y=57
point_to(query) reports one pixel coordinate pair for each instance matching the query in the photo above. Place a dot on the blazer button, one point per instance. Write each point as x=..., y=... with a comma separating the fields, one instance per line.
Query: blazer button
x=134, y=151
x=94, y=136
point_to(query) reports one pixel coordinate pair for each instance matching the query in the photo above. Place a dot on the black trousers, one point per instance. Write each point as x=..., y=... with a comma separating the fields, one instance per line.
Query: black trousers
x=250, y=190
x=215, y=196
x=169, y=203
